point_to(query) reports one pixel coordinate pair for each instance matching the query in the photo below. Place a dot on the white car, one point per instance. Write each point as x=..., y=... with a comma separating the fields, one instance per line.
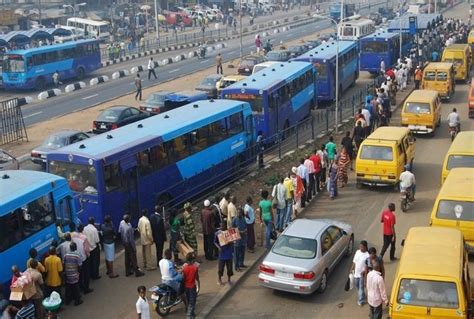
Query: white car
x=7, y=161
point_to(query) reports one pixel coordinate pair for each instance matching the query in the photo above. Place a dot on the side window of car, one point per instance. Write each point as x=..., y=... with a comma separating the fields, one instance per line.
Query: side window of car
x=326, y=242
x=126, y=114
x=134, y=111
x=82, y=136
x=335, y=232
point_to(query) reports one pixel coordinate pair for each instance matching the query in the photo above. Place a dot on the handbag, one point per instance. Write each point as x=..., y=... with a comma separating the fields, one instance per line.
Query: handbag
x=273, y=234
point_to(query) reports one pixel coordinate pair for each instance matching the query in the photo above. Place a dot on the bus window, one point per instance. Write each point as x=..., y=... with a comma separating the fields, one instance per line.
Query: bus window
x=81, y=178
x=236, y=124
x=112, y=177
x=430, y=75
x=65, y=211
x=374, y=47
x=322, y=71
x=218, y=132
x=14, y=63
x=200, y=139
x=145, y=166
x=25, y=221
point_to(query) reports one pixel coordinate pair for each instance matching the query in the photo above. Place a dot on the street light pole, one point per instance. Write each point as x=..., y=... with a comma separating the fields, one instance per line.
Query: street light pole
x=240, y=24
x=400, y=33
x=157, y=24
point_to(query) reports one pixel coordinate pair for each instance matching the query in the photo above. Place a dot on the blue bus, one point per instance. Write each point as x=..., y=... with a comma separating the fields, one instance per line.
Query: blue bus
x=164, y=159
x=323, y=57
x=30, y=205
x=382, y=45
x=34, y=68
x=280, y=96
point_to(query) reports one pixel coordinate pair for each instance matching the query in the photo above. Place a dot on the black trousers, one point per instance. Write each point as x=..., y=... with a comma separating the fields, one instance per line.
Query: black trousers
x=150, y=72
x=159, y=244
x=131, y=264
x=375, y=312
x=387, y=241
x=311, y=191
x=209, y=246
x=322, y=175
x=85, y=275
x=73, y=293
x=138, y=94
x=417, y=84
x=219, y=68
x=317, y=181
x=95, y=262
x=305, y=192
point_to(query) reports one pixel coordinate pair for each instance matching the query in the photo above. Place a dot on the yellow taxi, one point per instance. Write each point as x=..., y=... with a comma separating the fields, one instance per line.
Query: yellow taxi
x=460, y=56
x=421, y=112
x=439, y=76
x=460, y=153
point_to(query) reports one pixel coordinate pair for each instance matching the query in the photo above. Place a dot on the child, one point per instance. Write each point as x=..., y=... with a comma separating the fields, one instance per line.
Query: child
x=143, y=308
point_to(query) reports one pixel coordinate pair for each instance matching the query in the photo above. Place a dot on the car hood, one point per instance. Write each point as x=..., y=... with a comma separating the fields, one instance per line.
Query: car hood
x=288, y=264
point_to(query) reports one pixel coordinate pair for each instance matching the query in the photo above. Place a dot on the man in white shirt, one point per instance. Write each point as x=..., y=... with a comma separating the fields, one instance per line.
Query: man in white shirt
x=408, y=181
x=169, y=275
x=92, y=235
x=142, y=306
x=151, y=68
x=279, y=196
x=376, y=292
x=359, y=269
x=454, y=120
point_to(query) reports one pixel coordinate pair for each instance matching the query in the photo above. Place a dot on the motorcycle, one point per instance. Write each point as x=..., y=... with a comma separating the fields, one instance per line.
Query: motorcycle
x=453, y=131
x=406, y=198
x=202, y=53
x=165, y=298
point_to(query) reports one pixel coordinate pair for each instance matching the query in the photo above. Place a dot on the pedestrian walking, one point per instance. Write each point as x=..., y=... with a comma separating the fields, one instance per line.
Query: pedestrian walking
x=317, y=171
x=266, y=216
x=151, y=68
x=159, y=232
x=190, y=278
x=347, y=143
x=279, y=203
x=83, y=248
x=343, y=163
x=299, y=190
x=418, y=77
x=258, y=43
x=389, y=236
x=358, y=134
x=231, y=210
x=92, y=235
x=108, y=239
x=146, y=239
x=376, y=292
x=289, y=198
x=208, y=229
x=142, y=306
x=374, y=258
x=249, y=214
x=189, y=230
x=72, y=266
x=240, y=224
x=128, y=241
x=175, y=234
x=56, y=79
x=308, y=163
x=138, y=86
x=323, y=155
x=331, y=150
x=219, y=63
x=303, y=173
x=359, y=269
x=333, y=174
x=37, y=279
x=54, y=268
x=225, y=257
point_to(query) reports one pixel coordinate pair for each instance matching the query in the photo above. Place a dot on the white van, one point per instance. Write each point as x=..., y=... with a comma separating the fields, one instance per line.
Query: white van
x=263, y=65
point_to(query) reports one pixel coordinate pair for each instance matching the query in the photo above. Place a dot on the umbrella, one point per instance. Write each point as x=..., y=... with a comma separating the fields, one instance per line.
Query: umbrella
x=145, y=7
x=161, y=17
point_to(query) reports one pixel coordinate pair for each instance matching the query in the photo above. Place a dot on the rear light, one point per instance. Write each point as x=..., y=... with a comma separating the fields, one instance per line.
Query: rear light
x=142, y=108
x=33, y=154
x=266, y=269
x=304, y=275
x=94, y=124
x=391, y=177
x=114, y=126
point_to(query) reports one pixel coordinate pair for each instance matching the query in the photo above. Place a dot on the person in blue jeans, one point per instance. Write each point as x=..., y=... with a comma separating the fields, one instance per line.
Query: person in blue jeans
x=279, y=198
x=266, y=216
x=359, y=268
x=239, y=245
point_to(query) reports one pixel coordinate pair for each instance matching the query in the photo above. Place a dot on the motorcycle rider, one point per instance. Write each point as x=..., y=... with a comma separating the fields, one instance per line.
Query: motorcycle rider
x=202, y=50
x=408, y=181
x=169, y=275
x=454, y=120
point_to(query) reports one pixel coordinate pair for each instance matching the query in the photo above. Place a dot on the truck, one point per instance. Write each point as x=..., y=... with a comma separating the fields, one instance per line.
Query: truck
x=348, y=10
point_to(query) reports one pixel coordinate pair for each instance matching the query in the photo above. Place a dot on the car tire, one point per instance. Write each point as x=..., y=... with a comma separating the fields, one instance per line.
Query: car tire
x=350, y=247
x=323, y=283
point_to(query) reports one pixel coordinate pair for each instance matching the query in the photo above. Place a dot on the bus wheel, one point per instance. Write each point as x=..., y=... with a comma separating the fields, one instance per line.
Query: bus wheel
x=40, y=84
x=81, y=73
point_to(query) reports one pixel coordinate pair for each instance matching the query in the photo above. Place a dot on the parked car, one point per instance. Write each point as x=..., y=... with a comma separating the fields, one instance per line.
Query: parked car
x=311, y=44
x=228, y=80
x=278, y=55
x=248, y=62
x=297, y=50
x=155, y=102
x=8, y=161
x=117, y=116
x=261, y=66
x=209, y=85
x=304, y=255
x=53, y=142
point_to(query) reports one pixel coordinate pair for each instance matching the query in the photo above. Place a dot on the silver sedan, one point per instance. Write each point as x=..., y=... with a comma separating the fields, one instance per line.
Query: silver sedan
x=305, y=254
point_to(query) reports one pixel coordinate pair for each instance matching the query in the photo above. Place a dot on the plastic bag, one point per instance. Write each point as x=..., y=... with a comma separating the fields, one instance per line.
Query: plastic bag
x=351, y=281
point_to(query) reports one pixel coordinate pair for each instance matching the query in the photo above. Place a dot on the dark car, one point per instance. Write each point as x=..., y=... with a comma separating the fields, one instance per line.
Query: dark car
x=117, y=116
x=297, y=50
x=248, y=62
x=311, y=44
x=155, y=102
x=53, y=142
x=278, y=55
x=209, y=85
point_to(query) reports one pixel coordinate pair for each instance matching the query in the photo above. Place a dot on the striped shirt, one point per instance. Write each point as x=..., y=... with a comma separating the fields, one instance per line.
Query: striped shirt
x=72, y=263
x=27, y=312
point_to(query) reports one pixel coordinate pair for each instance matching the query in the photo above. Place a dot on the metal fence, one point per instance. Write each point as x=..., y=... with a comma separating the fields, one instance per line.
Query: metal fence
x=12, y=124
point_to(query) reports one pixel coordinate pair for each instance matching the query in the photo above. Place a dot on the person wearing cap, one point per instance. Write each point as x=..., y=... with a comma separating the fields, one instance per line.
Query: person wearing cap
x=208, y=229
x=189, y=230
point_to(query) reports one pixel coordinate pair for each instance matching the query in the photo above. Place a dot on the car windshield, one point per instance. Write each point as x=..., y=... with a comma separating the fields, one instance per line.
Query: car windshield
x=455, y=210
x=209, y=82
x=295, y=247
x=460, y=161
x=428, y=293
x=417, y=108
x=110, y=115
x=81, y=178
x=274, y=56
x=380, y=153
x=55, y=141
x=250, y=62
x=157, y=98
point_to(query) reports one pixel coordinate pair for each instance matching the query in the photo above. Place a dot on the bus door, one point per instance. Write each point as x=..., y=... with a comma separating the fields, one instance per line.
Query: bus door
x=130, y=187
x=64, y=211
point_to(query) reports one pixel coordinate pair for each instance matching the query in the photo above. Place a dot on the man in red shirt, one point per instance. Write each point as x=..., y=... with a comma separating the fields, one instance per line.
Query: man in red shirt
x=317, y=170
x=191, y=275
x=388, y=220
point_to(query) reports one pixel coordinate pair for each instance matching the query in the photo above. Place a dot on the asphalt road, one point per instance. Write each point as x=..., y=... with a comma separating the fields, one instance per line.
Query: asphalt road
x=94, y=95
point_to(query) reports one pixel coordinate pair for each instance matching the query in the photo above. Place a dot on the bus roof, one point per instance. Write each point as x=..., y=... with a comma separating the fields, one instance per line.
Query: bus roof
x=457, y=47
x=422, y=21
x=442, y=66
x=422, y=95
x=389, y=133
x=357, y=22
x=463, y=143
x=53, y=47
x=272, y=75
x=380, y=35
x=87, y=21
x=432, y=251
x=17, y=183
x=326, y=51
x=161, y=127
x=458, y=184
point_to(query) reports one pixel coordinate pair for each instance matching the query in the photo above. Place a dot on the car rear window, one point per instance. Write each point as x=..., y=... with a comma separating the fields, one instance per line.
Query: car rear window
x=460, y=161
x=428, y=293
x=380, y=153
x=109, y=115
x=248, y=62
x=417, y=108
x=295, y=247
x=209, y=81
x=455, y=210
x=54, y=141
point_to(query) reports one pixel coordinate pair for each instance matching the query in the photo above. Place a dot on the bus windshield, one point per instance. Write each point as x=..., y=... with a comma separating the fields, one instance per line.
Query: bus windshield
x=374, y=47
x=460, y=161
x=348, y=31
x=14, y=63
x=255, y=101
x=81, y=178
x=455, y=210
x=322, y=71
x=379, y=153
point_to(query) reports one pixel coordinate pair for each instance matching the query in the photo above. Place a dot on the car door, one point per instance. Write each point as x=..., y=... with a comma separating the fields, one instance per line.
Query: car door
x=327, y=253
x=125, y=117
x=136, y=115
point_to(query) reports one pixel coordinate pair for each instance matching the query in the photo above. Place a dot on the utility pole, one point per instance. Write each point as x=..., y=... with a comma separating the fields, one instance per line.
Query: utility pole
x=240, y=18
x=157, y=25
x=39, y=11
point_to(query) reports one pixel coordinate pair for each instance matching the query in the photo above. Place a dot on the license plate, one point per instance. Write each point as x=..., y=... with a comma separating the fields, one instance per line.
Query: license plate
x=283, y=274
x=377, y=178
x=149, y=109
x=103, y=126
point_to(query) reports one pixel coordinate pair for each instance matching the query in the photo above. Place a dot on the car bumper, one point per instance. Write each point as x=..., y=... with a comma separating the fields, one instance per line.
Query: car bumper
x=38, y=160
x=288, y=285
x=372, y=181
x=420, y=129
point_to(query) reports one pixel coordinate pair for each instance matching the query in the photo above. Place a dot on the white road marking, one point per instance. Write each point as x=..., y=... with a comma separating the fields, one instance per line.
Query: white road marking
x=90, y=96
x=175, y=70
x=204, y=61
x=33, y=114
